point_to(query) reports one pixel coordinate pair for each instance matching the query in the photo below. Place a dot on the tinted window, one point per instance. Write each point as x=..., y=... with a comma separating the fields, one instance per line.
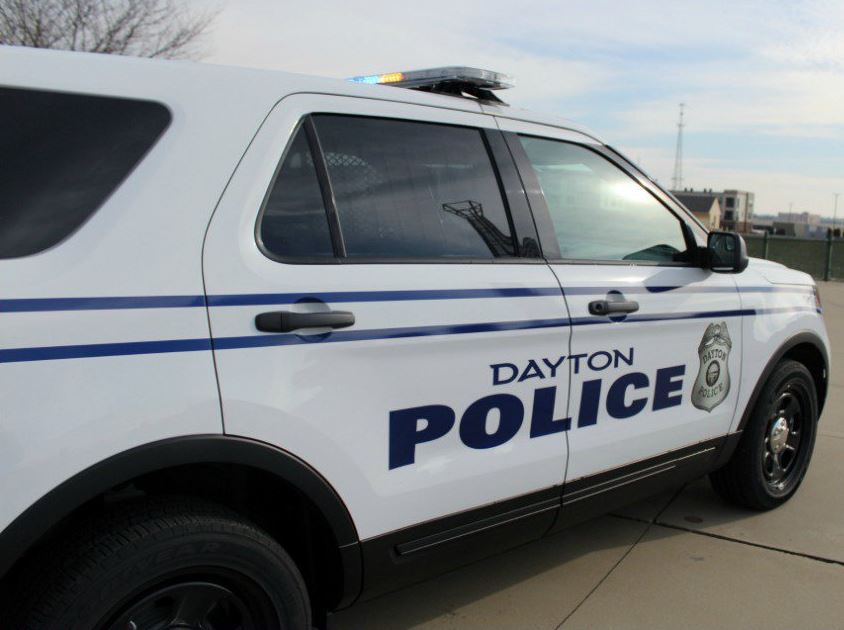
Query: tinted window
x=598, y=211
x=294, y=223
x=62, y=155
x=413, y=190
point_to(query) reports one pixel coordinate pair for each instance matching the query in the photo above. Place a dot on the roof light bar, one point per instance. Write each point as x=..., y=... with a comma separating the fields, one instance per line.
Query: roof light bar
x=432, y=78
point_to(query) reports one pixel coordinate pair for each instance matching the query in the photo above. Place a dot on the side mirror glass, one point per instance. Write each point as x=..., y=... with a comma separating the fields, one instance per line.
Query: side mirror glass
x=727, y=252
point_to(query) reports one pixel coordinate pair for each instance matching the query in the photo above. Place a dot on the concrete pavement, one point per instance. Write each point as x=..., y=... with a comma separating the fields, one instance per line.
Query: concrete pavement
x=681, y=559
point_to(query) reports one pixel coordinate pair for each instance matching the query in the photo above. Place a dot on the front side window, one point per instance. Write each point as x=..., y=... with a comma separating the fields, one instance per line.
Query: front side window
x=598, y=211
x=413, y=190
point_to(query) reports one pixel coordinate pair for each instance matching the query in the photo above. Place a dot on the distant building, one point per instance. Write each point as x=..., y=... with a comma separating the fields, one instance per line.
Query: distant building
x=736, y=207
x=737, y=210
x=791, y=228
x=764, y=223
x=797, y=224
x=705, y=207
x=801, y=229
x=799, y=217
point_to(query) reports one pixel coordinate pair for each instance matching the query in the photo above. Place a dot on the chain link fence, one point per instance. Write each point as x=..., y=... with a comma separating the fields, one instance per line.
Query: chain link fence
x=823, y=259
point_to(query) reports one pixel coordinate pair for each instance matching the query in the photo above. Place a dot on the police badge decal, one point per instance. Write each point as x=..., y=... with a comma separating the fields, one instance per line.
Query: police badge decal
x=713, y=379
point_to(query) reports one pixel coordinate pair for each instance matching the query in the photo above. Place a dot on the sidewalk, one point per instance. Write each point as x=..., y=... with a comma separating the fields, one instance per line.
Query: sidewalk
x=680, y=560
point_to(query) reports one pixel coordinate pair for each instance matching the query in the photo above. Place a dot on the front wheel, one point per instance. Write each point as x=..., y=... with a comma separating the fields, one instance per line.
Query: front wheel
x=164, y=564
x=776, y=446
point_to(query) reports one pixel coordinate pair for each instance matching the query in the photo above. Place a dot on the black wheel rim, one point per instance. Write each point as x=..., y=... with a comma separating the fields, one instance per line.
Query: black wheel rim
x=209, y=602
x=782, y=456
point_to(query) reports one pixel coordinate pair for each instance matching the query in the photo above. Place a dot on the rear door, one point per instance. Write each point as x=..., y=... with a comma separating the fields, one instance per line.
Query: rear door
x=656, y=340
x=394, y=217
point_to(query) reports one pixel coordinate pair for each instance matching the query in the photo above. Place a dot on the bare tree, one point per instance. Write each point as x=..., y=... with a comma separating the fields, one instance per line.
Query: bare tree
x=143, y=28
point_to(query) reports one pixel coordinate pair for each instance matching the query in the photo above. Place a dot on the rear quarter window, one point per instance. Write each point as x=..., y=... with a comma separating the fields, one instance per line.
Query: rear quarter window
x=61, y=156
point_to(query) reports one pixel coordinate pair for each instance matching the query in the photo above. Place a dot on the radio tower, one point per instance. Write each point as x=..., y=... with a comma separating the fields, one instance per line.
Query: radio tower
x=677, y=180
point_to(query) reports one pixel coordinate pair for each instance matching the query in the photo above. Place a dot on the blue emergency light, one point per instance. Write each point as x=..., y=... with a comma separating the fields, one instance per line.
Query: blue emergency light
x=454, y=80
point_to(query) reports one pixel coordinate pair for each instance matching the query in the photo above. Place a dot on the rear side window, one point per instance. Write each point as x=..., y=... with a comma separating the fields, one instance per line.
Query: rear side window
x=62, y=156
x=399, y=190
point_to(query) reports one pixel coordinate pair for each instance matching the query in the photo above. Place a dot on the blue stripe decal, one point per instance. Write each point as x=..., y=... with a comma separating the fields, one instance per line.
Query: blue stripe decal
x=778, y=289
x=587, y=321
x=255, y=299
x=49, y=353
x=640, y=289
x=260, y=341
x=776, y=310
x=33, y=305
x=249, y=299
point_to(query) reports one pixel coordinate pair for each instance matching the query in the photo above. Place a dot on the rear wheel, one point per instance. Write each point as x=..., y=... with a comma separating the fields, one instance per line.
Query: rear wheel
x=161, y=565
x=776, y=446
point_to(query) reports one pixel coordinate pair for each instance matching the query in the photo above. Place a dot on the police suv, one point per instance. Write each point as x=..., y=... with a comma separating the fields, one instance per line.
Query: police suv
x=270, y=344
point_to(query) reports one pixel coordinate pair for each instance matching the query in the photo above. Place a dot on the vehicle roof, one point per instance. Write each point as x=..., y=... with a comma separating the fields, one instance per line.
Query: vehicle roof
x=209, y=84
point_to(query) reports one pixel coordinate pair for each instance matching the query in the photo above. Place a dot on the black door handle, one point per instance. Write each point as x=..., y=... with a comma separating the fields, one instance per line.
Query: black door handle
x=609, y=307
x=287, y=321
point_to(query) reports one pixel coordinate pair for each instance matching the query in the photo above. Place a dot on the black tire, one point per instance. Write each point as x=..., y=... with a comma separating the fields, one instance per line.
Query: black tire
x=143, y=562
x=757, y=476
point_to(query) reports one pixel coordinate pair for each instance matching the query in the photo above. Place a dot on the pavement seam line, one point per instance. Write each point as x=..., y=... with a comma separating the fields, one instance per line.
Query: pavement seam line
x=673, y=498
x=735, y=540
x=603, y=579
x=626, y=553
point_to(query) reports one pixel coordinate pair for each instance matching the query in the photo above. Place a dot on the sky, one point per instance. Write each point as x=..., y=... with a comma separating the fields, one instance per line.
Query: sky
x=763, y=81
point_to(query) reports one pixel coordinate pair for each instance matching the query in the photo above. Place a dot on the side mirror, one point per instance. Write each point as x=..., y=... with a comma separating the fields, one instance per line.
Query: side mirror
x=727, y=252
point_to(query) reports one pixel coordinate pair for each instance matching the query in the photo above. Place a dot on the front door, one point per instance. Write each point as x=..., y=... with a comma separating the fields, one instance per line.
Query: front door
x=397, y=293
x=656, y=340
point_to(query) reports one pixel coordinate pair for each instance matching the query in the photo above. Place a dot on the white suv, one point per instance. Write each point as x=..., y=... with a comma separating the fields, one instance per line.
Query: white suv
x=270, y=344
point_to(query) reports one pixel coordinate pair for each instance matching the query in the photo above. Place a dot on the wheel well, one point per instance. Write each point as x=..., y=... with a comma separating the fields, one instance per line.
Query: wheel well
x=278, y=507
x=809, y=355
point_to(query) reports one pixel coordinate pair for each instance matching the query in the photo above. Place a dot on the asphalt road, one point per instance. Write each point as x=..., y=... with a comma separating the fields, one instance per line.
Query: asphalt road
x=679, y=560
